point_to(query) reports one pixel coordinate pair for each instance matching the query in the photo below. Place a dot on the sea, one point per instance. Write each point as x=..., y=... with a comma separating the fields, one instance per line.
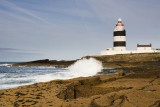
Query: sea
x=11, y=77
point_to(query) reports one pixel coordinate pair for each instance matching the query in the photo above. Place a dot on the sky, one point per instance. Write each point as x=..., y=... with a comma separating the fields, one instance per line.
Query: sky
x=70, y=29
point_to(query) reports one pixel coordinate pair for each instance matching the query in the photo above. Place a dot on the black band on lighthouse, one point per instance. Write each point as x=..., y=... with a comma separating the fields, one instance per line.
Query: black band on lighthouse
x=119, y=33
x=119, y=43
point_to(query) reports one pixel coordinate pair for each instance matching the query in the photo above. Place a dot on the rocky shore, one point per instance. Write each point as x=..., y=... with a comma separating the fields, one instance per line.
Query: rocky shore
x=46, y=62
x=118, y=61
x=129, y=60
x=131, y=90
x=137, y=84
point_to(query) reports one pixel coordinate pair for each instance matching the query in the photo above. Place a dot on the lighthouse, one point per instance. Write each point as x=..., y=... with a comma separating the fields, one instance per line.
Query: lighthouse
x=119, y=43
x=119, y=35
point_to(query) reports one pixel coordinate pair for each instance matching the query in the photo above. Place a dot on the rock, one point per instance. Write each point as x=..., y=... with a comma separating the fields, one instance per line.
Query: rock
x=121, y=73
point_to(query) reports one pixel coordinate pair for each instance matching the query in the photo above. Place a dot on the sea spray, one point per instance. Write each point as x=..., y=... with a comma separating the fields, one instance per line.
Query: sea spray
x=11, y=77
x=85, y=67
x=81, y=68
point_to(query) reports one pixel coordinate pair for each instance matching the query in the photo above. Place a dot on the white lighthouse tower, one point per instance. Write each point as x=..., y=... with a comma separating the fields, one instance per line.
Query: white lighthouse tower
x=119, y=37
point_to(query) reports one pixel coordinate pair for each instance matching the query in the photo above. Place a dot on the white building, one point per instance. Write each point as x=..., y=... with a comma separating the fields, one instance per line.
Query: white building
x=119, y=43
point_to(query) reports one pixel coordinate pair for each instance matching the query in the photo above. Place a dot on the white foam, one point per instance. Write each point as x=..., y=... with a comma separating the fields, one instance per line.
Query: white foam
x=8, y=86
x=2, y=75
x=5, y=65
x=85, y=67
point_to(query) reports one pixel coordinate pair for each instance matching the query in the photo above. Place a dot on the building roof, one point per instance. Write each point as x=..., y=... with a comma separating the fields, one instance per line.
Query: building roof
x=150, y=45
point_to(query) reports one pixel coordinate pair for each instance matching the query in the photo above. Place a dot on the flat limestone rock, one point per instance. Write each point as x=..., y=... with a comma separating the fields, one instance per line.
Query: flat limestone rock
x=96, y=91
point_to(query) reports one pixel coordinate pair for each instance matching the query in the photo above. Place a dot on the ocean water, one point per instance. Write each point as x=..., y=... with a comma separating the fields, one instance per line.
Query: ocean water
x=11, y=77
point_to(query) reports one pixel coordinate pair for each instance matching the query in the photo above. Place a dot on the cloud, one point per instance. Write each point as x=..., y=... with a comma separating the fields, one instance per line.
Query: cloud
x=16, y=8
x=7, y=49
x=17, y=51
x=77, y=12
x=16, y=16
x=127, y=9
x=13, y=54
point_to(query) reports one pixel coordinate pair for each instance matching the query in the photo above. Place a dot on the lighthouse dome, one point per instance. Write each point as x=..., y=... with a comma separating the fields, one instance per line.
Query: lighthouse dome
x=119, y=20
